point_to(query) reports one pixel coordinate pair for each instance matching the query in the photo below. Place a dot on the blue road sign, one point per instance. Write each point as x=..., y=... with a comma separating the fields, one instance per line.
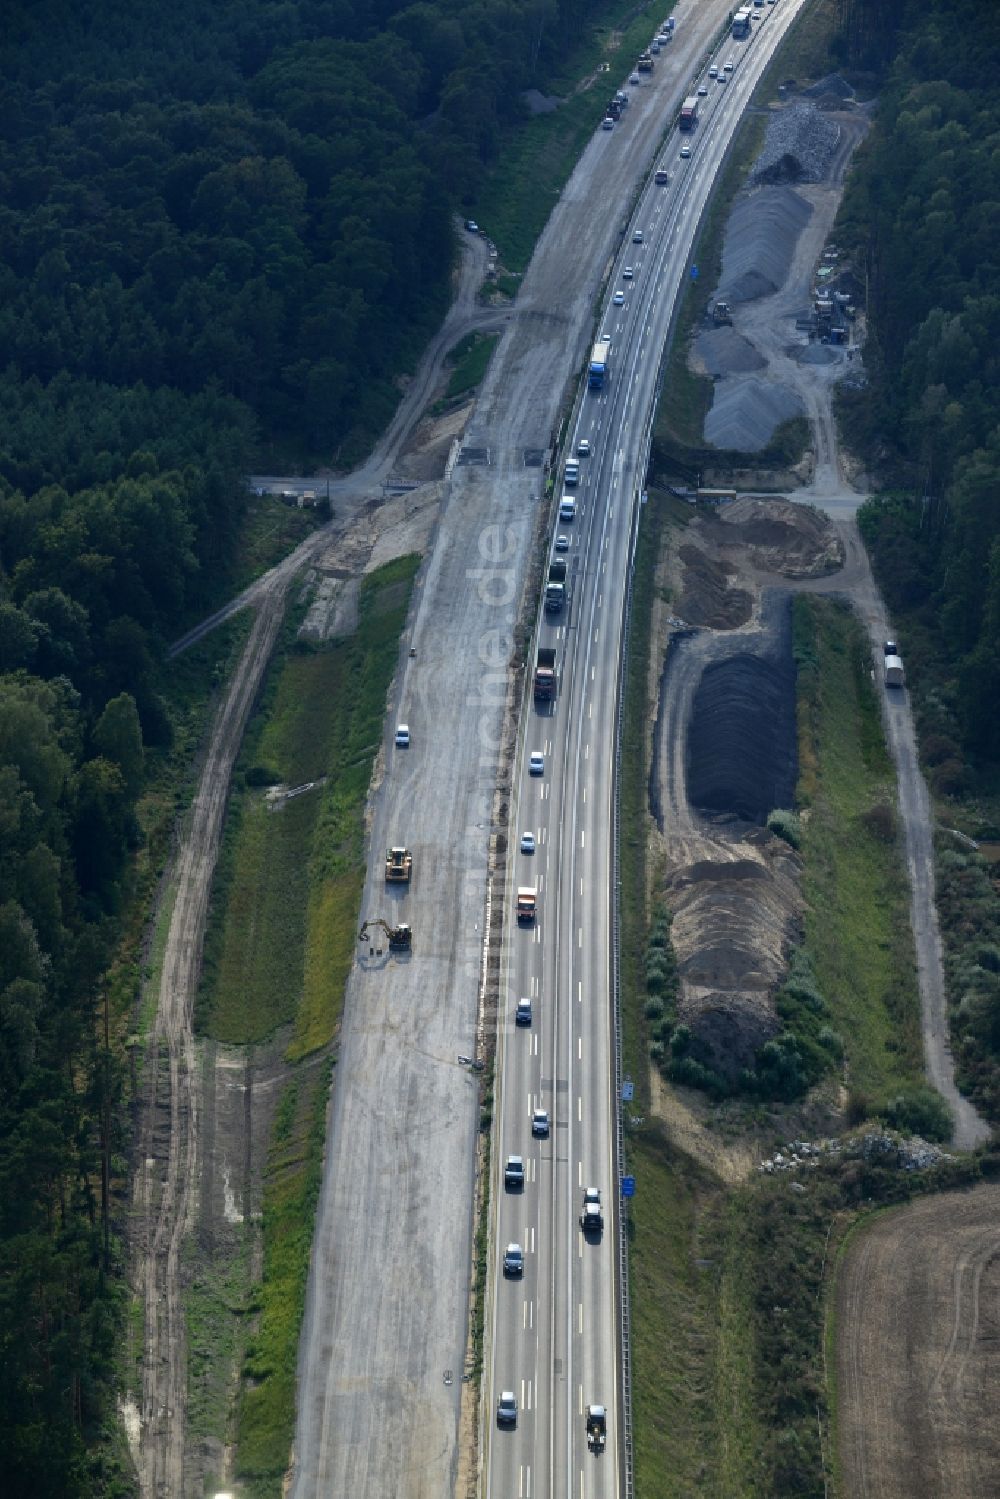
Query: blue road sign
x=628, y=1186
x=628, y=1090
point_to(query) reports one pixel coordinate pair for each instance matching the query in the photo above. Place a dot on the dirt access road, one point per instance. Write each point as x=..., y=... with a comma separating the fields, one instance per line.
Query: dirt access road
x=918, y=1356
x=170, y=1168
x=917, y=1294
x=768, y=324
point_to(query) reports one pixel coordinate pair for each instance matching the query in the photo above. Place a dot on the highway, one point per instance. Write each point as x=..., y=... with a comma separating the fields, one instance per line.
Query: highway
x=555, y=1329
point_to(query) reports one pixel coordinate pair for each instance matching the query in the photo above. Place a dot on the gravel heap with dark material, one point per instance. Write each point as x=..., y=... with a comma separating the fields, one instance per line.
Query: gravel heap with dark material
x=746, y=412
x=723, y=351
x=832, y=86
x=798, y=145
x=741, y=741
x=761, y=235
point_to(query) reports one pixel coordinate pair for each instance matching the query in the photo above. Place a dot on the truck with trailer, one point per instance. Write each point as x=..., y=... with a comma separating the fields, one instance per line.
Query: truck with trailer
x=527, y=901
x=689, y=113
x=545, y=674
x=599, y=364
x=741, y=23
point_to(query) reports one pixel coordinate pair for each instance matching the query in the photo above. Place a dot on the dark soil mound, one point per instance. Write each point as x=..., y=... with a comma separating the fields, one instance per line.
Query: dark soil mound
x=741, y=748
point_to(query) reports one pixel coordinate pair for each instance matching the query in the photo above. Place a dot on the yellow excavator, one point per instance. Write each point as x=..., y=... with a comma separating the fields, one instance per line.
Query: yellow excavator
x=398, y=866
x=399, y=937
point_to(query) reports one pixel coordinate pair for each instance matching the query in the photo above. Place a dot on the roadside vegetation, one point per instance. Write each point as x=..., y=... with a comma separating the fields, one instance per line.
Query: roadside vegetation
x=266, y=1416
x=518, y=192
x=281, y=941
x=857, y=941
x=915, y=213
x=469, y=361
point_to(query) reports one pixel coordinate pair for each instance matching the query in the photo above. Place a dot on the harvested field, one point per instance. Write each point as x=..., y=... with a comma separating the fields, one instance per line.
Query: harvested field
x=918, y=1351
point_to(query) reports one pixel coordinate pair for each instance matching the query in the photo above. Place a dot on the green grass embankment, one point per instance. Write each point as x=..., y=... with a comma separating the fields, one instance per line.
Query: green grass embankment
x=282, y=935
x=469, y=360
x=266, y=1417
x=538, y=157
x=279, y=950
x=857, y=924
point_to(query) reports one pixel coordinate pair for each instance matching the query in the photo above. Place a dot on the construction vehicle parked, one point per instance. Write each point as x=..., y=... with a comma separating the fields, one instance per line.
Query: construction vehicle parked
x=398, y=866
x=399, y=937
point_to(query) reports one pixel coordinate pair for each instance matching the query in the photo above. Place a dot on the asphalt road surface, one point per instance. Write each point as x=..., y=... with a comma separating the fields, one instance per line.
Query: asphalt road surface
x=384, y=1337
x=555, y=1327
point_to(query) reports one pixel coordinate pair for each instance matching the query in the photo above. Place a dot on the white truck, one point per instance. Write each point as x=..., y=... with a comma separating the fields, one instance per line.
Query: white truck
x=894, y=676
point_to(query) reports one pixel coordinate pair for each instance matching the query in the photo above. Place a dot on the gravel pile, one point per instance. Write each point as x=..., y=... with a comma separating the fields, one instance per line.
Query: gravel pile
x=831, y=86
x=798, y=145
x=913, y=1154
x=763, y=229
x=723, y=351
x=746, y=412
x=818, y=354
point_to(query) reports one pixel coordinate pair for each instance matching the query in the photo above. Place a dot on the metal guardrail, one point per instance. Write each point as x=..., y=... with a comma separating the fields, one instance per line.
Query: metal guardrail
x=624, y=1320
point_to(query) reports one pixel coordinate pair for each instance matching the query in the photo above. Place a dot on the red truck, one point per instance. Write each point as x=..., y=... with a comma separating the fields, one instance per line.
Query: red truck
x=545, y=674
x=689, y=112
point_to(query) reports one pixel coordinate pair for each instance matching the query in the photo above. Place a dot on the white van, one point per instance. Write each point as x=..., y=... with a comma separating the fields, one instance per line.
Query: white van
x=567, y=508
x=572, y=473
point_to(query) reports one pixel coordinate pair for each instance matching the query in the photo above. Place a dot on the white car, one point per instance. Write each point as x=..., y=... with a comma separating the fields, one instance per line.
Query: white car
x=685, y=152
x=540, y=1124
x=583, y=448
x=527, y=843
x=702, y=91
x=619, y=299
x=637, y=237
x=402, y=736
x=628, y=272
x=634, y=79
x=562, y=543
x=536, y=763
